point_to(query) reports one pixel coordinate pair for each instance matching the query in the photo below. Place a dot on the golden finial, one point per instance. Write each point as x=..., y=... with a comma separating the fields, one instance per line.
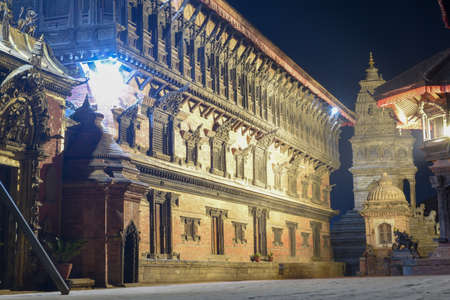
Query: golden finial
x=371, y=62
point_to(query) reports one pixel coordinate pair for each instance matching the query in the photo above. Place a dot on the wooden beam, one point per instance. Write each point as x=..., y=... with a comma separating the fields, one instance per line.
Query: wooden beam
x=193, y=107
x=180, y=10
x=219, y=115
x=209, y=112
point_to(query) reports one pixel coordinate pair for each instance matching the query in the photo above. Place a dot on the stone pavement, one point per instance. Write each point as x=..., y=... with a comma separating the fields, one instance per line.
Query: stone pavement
x=410, y=288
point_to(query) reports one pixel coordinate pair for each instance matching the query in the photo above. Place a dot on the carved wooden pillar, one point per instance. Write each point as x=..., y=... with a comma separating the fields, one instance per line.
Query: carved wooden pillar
x=441, y=185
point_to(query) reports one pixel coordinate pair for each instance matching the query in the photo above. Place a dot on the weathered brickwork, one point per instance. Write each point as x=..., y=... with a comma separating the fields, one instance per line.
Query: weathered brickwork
x=217, y=138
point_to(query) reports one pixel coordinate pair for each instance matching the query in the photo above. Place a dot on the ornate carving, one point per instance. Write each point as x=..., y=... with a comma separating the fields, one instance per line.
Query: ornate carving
x=172, y=101
x=190, y=229
x=216, y=212
x=404, y=241
x=27, y=21
x=305, y=241
x=128, y=124
x=23, y=109
x=223, y=131
x=267, y=139
x=239, y=232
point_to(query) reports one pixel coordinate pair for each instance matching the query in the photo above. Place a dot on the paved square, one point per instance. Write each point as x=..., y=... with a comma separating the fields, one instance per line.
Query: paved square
x=410, y=288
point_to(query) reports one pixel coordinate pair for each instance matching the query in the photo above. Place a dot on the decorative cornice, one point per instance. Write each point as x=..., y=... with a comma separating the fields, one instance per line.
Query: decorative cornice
x=188, y=183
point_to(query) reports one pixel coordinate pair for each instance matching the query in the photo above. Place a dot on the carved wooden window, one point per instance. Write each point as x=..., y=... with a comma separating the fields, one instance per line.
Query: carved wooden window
x=292, y=238
x=108, y=10
x=161, y=222
x=240, y=165
x=161, y=135
x=326, y=241
x=191, y=152
x=217, y=235
x=384, y=233
x=305, y=239
x=316, y=228
x=218, y=159
x=316, y=191
x=277, y=179
x=277, y=234
x=217, y=229
x=259, y=231
x=305, y=185
x=260, y=167
x=239, y=233
x=190, y=229
x=292, y=183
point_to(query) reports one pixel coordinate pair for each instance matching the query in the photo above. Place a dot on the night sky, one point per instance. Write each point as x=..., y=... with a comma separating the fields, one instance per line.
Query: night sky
x=331, y=41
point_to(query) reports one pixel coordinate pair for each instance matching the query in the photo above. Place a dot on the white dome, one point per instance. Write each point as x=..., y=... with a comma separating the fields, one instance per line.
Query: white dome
x=386, y=191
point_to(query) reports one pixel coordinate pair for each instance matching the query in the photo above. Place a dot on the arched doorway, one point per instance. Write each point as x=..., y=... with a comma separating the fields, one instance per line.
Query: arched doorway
x=130, y=254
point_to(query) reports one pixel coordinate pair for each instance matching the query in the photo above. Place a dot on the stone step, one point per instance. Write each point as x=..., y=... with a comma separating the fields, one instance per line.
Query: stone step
x=82, y=283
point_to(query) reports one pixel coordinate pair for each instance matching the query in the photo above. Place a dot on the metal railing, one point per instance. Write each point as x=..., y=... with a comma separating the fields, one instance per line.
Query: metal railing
x=8, y=202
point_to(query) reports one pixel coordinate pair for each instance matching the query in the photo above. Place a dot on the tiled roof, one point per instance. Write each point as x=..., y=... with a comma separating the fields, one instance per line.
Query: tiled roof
x=432, y=71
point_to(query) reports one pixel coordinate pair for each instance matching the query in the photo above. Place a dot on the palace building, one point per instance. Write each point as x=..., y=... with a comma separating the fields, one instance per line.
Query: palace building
x=194, y=144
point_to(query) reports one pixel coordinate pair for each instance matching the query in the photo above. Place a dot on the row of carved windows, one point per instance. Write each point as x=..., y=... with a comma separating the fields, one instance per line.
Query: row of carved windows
x=161, y=231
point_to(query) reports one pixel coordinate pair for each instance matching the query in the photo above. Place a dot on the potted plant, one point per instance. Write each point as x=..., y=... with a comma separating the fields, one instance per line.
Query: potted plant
x=63, y=251
x=257, y=257
x=270, y=256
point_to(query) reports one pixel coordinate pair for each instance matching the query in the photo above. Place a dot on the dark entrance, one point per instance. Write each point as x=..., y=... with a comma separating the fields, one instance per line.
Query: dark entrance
x=131, y=254
x=6, y=227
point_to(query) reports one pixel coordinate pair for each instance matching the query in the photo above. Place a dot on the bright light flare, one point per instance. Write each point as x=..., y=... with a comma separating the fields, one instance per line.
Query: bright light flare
x=447, y=131
x=107, y=86
x=334, y=111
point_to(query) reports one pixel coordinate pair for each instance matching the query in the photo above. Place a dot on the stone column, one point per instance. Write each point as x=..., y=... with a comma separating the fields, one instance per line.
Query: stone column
x=439, y=183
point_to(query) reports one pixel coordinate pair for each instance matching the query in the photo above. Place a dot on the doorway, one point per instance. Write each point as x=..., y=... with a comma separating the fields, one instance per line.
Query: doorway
x=6, y=227
x=131, y=255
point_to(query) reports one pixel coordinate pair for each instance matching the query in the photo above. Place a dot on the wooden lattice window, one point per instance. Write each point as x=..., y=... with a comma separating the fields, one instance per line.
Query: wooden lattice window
x=277, y=234
x=292, y=183
x=260, y=167
x=190, y=228
x=305, y=241
x=218, y=151
x=161, y=135
x=384, y=233
x=160, y=223
x=217, y=229
x=259, y=230
x=239, y=233
x=217, y=245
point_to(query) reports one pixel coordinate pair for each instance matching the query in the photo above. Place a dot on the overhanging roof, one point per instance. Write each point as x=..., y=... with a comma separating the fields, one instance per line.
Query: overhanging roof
x=238, y=22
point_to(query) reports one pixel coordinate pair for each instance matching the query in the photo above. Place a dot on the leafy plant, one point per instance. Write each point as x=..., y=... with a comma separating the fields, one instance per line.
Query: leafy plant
x=64, y=250
x=257, y=254
x=270, y=255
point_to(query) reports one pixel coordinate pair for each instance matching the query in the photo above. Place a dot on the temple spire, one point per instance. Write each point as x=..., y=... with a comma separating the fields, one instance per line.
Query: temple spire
x=371, y=61
x=372, y=72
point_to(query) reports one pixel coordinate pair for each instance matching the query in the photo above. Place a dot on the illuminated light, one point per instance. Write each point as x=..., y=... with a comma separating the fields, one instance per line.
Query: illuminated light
x=334, y=111
x=447, y=131
x=107, y=86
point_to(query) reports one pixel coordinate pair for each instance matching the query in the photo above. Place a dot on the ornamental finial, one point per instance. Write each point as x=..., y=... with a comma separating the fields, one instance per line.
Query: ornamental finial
x=371, y=62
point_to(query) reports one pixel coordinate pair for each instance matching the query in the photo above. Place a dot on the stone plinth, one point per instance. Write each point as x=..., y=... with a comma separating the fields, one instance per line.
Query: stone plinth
x=186, y=271
x=348, y=240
